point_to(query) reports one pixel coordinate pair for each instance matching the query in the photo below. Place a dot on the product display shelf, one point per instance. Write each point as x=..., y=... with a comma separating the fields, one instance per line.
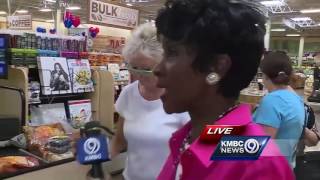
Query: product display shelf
x=44, y=35
x=121, y=82
x=102, y=109
x=251, y=96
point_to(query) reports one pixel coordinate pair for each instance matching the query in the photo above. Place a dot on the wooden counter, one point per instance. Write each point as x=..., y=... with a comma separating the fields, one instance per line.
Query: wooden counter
x=73, y=171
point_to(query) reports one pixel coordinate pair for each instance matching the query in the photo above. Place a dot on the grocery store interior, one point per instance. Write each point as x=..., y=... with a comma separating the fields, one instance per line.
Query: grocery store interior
x=36, y=36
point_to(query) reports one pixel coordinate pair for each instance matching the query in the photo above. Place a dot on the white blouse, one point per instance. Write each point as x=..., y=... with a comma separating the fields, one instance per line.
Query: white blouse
x=147, y=129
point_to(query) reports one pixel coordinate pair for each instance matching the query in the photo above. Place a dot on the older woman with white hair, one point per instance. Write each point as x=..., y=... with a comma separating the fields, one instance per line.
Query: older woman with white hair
x=144, y=128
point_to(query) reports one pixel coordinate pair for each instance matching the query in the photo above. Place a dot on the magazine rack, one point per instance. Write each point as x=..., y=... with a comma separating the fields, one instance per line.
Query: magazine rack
x=63, y=92
x=102, y=98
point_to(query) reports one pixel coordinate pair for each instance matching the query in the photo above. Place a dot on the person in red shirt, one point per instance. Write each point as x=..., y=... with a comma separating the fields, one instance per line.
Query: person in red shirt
x=212, y=50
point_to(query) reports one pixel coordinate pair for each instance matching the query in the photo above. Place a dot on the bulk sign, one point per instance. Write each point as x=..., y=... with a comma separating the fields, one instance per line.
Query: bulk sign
x=103, y=13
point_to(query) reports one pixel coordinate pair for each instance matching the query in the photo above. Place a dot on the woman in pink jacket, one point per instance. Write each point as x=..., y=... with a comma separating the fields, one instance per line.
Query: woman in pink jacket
x=212, y=50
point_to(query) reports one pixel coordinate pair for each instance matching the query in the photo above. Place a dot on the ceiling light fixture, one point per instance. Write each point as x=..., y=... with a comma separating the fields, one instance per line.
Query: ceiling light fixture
x=45, y=9
x=73, y=8
x=3, y=12
x=301, y=19
x=50, y=21
x=278, y=30
x=306, y=11
x=128, y=4
x=22, y=11
x=293, y=35
x=272, y=3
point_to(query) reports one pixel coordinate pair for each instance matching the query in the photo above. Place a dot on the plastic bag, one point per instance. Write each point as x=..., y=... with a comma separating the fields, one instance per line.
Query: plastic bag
x=38, y=137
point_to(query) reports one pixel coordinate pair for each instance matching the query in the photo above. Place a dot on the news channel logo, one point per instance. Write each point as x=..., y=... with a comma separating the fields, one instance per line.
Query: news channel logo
x=91, y=146
x=240, y=147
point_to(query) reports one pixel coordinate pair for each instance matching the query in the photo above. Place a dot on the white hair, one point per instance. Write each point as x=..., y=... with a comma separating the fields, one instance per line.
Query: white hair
x=144, y=40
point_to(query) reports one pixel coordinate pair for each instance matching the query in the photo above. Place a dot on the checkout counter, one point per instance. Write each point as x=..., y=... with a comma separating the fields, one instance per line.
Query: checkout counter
x=72, y=170
x=102, y=102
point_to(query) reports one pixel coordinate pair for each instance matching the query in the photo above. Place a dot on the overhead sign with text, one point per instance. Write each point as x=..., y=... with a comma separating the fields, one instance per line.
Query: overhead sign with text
x=108, y=44
x=20, y=22
x=112, y=15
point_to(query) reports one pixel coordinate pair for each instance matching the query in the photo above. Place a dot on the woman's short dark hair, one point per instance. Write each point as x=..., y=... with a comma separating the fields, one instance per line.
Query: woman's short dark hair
x=215, y=27
x=277, y=67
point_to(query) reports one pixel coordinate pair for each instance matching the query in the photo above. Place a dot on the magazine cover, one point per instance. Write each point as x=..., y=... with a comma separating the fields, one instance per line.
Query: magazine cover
x=81, y=75
x=80, y=112
x=54, y=75
x=48, y=114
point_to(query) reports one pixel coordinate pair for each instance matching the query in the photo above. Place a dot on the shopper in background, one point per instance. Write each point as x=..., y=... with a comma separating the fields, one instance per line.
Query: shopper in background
x=144, y=128
x=212, y=50
x=281, y=112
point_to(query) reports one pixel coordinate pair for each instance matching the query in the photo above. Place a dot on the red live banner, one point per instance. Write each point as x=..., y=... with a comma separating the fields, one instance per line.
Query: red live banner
x=213, y=133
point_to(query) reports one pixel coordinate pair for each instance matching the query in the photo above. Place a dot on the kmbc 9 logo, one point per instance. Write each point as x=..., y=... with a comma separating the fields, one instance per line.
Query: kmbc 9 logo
x=91, y=146
x=251, y=146
x=240, y=147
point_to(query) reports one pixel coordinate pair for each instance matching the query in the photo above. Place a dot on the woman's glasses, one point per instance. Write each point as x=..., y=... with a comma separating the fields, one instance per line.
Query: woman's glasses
x=139, y=71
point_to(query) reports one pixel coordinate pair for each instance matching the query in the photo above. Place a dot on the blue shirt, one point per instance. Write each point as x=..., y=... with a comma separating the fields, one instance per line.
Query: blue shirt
x=284, y=110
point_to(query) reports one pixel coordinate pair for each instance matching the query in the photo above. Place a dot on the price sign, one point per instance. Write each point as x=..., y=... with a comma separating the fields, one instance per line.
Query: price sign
x=20, y=22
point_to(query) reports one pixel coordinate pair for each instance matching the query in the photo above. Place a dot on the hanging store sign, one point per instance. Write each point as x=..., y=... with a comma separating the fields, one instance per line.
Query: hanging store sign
x=20, y=22
x=112, y=15
x=108, y=44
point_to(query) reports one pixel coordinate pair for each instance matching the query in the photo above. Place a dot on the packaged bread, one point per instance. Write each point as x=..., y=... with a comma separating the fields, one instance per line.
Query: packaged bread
x=40, y=140
x=11, y=164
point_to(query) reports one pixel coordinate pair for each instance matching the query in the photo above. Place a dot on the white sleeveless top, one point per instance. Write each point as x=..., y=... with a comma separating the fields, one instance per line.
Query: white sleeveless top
x=147, y=129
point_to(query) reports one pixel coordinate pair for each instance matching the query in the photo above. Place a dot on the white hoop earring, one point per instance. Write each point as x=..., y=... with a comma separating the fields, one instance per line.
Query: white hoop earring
x=213, y=78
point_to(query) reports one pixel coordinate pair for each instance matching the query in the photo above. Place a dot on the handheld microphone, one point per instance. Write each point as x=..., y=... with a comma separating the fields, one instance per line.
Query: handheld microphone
x=92, y=147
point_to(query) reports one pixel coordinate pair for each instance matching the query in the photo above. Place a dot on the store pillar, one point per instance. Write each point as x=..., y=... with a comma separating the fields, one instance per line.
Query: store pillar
x=58, y=23
x=301, y=50
x=9, y=7
x=268, y=35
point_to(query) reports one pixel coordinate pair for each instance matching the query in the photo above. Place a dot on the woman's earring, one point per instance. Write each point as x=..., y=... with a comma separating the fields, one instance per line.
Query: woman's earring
x=213, y=78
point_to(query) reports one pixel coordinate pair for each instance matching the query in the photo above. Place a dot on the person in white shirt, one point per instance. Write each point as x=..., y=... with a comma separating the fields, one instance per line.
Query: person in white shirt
x=144, y=128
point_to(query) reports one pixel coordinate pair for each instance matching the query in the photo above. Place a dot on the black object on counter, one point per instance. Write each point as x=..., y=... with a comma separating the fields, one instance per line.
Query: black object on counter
x=11, y=129
x=59, y=145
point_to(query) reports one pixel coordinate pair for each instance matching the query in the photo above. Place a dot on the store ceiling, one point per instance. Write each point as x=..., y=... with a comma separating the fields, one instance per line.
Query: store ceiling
x=149, y=9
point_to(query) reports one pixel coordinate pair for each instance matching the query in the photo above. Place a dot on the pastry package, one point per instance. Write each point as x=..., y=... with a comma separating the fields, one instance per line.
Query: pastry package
x=11, y=164
x=49, y=142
